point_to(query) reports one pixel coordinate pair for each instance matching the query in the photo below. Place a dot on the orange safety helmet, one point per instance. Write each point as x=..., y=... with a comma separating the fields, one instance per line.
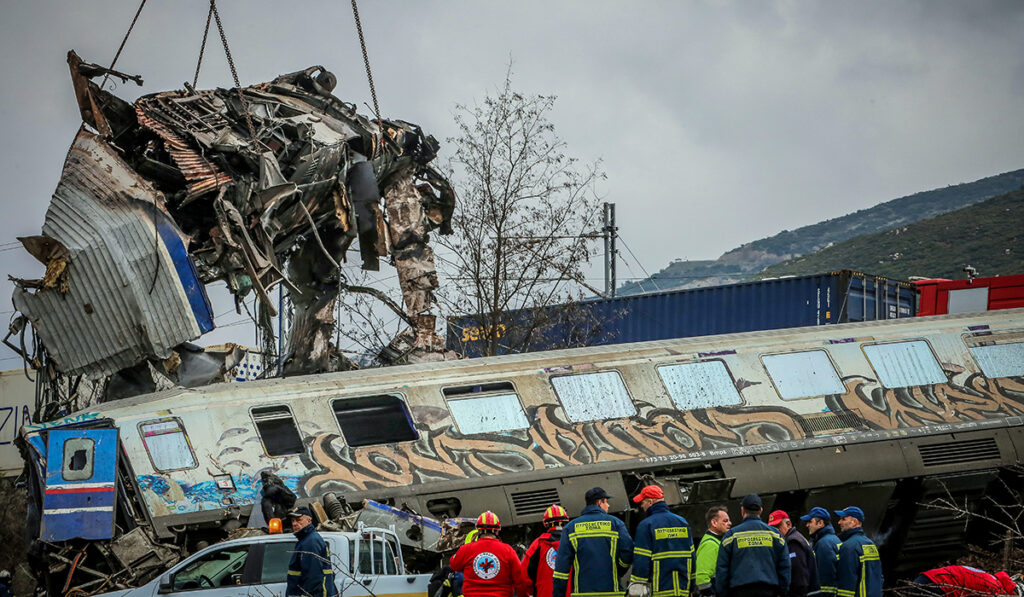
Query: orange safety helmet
x=555, y=515
x=488, y=520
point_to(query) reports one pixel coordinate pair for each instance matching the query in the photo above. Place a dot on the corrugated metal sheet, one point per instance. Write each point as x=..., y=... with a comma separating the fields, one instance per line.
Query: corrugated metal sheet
x=115, y=314
x=820, y=299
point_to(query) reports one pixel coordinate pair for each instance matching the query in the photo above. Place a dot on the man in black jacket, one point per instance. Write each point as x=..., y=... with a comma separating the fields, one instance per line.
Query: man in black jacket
x=803, y=570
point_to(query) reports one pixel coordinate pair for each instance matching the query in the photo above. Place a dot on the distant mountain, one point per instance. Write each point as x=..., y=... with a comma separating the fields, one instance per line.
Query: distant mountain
x=988, y=236
x=749, y=259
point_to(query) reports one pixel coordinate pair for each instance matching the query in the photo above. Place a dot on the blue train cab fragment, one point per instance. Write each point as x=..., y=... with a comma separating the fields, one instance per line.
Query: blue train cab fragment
x=78, y=499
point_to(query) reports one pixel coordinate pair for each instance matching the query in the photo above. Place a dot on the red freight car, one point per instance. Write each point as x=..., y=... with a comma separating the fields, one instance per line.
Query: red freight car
x=964, y=296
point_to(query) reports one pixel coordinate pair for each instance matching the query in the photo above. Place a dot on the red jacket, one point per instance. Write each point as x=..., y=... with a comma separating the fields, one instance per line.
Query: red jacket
x=491, y=569
x=962, y=581
x=539, y=562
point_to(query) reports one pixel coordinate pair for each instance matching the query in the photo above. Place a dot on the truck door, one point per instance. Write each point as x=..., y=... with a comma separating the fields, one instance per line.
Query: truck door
x=81, y=469
x=379, y=567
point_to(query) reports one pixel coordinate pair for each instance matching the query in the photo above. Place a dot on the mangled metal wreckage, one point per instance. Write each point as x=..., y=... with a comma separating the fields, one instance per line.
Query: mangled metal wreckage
x=257, y=186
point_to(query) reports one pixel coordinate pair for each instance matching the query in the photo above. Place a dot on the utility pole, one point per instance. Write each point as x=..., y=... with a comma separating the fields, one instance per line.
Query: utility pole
x=610, y=233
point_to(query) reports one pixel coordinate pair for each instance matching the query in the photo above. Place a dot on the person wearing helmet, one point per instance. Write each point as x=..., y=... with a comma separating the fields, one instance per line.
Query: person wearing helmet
x=490, y=568
x=539, y=560
x=5, y=584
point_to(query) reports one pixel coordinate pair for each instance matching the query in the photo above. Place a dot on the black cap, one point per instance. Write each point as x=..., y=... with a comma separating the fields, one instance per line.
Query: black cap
x=300, y=511
x=595, y=494
x=751, y=502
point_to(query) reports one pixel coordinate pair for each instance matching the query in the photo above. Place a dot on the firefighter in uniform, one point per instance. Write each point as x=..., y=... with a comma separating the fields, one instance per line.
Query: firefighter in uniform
x=490, y=568
x=753, y=560
x=309, y=571
x=826, y=548
x=595, y=544
x=859, y=572
x=539, y=560
x=663, y=550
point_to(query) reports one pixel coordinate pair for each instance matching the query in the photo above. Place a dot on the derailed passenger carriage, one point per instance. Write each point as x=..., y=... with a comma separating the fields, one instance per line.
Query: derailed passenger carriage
x=884, y=415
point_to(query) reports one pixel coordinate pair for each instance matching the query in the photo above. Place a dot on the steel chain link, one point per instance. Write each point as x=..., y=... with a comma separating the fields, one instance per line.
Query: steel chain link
x=366, y=61
x=202, y=48
x=234, y=73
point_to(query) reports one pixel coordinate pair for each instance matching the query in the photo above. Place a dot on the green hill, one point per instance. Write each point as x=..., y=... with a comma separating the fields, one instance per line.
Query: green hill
x=749, y=259
x=988, y=235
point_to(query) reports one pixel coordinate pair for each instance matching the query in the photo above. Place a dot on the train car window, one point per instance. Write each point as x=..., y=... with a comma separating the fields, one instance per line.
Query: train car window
x=699, y=385
x=904, y=364
x=277, y=429
x=488, y=412
x=803, y=374
x=167, y=444
x=1000, y=360
x=370, y=420
x=593, y=396
x=78, y=459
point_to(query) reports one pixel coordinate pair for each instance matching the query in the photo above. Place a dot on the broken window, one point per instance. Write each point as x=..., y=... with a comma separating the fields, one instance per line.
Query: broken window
x=486, y=408
x=167, y=445
x=78, y=456
x=369, y=420
x=593, y=396
x=699, y=385
x=904, y=364
x=803, y=374
x=1000, y=360
x=277, y=430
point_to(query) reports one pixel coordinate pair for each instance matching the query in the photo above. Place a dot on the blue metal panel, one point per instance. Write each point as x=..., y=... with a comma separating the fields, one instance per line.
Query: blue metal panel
x=818, y=299
x=81, y=472
x=187, y=275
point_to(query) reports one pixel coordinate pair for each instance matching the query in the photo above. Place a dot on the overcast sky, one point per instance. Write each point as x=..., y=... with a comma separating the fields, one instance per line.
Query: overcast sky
x=717, y=122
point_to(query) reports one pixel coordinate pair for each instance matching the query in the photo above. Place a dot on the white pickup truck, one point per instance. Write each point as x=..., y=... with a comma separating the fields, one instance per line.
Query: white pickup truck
x=366, y=562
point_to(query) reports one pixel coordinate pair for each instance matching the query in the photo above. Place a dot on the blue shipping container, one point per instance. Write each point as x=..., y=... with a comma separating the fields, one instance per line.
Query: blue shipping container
x=819, y=299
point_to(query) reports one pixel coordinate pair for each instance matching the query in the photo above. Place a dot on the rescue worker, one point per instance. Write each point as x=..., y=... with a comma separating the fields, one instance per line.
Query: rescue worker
x=753, y=560
x=596, y=544
x=490, y=568
x=663, y=549
x=826, y=548
x=803, y=578
x=539, y=561
x=859, y=571
x=5, y=584
x=276, y=499
x=310, y=571
x=964, y=581
x=717, y=519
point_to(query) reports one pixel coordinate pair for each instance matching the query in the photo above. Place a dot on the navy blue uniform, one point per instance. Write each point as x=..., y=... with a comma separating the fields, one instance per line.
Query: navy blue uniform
x=310, y=571
x=826, y=557
x=664, y=549
x=860, y=568
x=752, y=554
x=594, y=547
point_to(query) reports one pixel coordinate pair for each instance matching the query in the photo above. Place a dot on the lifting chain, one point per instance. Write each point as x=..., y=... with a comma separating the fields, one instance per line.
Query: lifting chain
x=123, y=42
x=234, y=73
x=366, y=61
x=202, y=48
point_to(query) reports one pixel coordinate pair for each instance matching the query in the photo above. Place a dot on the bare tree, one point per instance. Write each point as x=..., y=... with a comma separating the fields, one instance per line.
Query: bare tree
x=526, y=214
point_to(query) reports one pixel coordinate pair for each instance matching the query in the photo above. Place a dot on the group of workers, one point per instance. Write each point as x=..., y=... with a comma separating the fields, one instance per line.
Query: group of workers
x=588, y=556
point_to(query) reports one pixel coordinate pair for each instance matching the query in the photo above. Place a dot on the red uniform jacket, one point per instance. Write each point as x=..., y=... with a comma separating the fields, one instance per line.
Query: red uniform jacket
x=491, y=569
x=539, y=562
x=962, y=581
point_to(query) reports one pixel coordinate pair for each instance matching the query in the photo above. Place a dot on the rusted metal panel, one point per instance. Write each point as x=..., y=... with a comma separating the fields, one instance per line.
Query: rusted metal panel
x=128, y=297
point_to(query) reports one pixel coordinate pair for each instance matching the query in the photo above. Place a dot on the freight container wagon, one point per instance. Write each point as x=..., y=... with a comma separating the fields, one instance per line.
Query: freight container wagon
x=939, y=296
x=820, y=299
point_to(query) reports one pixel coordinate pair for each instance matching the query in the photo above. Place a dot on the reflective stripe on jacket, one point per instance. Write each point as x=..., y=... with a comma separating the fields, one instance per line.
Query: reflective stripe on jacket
x=593, y=547
x=707, y=560
x=860, y=568
x=663, y=552
x=310, y=571
x=826, y=556
x=752, y=553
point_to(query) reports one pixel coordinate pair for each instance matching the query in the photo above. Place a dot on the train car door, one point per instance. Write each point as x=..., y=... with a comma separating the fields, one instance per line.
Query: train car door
x=81, y=469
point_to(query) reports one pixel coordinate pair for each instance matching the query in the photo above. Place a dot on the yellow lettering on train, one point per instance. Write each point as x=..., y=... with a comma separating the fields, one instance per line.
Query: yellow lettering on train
x=474, y=333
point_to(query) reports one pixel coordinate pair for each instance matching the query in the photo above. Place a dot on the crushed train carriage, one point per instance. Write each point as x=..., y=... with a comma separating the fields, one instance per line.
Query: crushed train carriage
x=882, y=414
